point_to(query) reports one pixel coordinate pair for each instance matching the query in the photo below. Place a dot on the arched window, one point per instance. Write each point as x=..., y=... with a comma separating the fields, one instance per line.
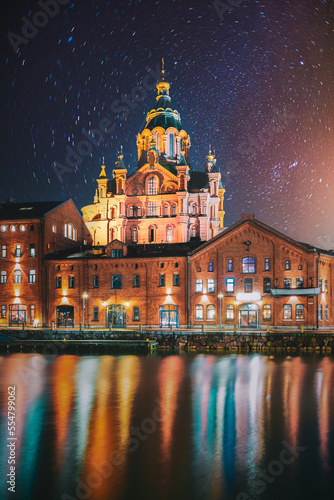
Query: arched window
x=248, y=265
x=194, y=231
x=166, y=210
x=169, y=234
x=171, y=145
x=12, y=228
x=194, y=209
x=158, y=141
x=287, y=311
x=182, y=182
x=131, y=211
x=138, y=211
x=173, y=209
x=134, y=235
x=22, y=228
x=199, y=312
x=31, y=227
x=151, y=234
x=152, y=186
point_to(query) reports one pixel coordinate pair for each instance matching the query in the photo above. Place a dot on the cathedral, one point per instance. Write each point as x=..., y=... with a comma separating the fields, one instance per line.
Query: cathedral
x=164, y=200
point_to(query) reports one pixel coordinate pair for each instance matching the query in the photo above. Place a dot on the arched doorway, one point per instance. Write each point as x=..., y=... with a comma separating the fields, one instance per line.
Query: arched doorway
x=248, y=316
x=116, y=316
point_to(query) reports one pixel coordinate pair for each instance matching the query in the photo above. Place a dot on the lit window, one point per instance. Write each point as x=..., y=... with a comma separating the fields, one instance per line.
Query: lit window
x=3, y=312
x=58, y=281
x=138, y=209
x=32, y=276
x=211, y=285
x=3, y=228
x=266, y=285
x=116, y=281
x=32, y=313
x=161, y=280
x=210, y=312
x=70, y=233
x=299, y=282
x=326, y=311
x=18, y=251
x=230, y=265
x=136, y=313
x=287, y=311
x=22, y=228
x=320, y=284
x=134, y=235
x=267, y=264
x=267, y=311
x=95, y=313
x=152, y=209
x=12, y=229
x=287, y=265
x=169, y=234
x=54, y=228
x=248, y=285
x=300, y=313
x=152, y=186
x=230, y=285
x=199, y=286
x=3, y=251
x=326, y=286
x=199, y=311
x=3, y=277
x=229, y=312
x=17, y=276
x=320, y=312
x=287, y=282
x=210, y=267
x=131, y=211
x=248, y=265
x=32, y=250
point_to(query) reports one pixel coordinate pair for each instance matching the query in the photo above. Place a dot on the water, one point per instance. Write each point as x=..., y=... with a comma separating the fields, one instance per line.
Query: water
x=170, y=427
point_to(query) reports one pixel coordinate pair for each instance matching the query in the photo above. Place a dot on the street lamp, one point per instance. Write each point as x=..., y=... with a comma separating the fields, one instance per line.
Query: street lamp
x=84, y=296
x=220, y=296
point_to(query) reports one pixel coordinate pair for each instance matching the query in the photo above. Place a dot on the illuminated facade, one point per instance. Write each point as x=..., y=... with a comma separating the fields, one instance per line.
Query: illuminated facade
x=164, y=200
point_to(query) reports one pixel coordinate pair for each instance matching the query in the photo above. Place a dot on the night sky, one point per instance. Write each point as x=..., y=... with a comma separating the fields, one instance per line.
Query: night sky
x=255, y=82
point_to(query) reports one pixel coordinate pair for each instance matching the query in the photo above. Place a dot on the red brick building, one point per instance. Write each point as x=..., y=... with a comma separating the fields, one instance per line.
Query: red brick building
x=28, y=232
x=264, y=277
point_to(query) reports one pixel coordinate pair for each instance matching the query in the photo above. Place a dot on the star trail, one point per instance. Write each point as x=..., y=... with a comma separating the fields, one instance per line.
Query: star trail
x=256, y=83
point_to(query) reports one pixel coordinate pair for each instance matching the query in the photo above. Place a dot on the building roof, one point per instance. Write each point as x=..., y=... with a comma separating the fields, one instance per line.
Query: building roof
x=28, y=210
x=198, y=180
x=164, y=120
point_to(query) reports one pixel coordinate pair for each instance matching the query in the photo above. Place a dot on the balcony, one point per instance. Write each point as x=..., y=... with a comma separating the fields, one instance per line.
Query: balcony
x=299, y=292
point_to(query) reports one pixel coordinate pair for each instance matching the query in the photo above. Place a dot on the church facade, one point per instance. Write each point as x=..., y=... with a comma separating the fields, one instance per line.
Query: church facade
x=164, y=200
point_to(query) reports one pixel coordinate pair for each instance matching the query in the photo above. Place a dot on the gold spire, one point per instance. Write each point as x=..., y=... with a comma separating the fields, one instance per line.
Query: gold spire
x=162, y=85
x=163, y=68
x=103, y=169
x=210, y=157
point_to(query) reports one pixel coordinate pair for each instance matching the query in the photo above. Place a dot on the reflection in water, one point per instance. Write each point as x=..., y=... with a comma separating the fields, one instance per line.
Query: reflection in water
x=226, y=416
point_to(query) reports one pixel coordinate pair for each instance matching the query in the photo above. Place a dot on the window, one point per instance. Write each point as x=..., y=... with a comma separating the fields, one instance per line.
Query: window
x=300, y=314
x=22, y=228
x=161, y=280
x=70, y=232
x=152, y=209
x=3, y=251
x=230, y=265
x=176, y=280
x=326, y=311
x=229, y=312
x=95, y=281
x=171, y=145
x=136, y=280
x=287, y=265
x=71, y=282
x=266, y=285
x=194, y=232
x=326, y=286
x=131, y=211
x=320, y=312
x=95, y=314
x=162, y=265
x=199, y=312
x=31, y=228
x=267, y=264
x=230, y=285
x=12, y=229
x=210, y=312
x=3, y=277
x=152, y=186
x=3, y=228
x=194, y=209
x=173, y=209
x=32, y=250
x=32, y=276
x=17, y=276
x=71, y=267
x=95, y=267
x=166, y=210
x=248, y=285
x=169, y=234
x=135, y=266
x=287, y=282
x=58, y=281
x=210, y=267
x=116, y=253
x=134, y=235
x=267, y=311
x=299, y=282
x=136, y=314
x=54, y=228
x=32, y=313
x=199, y=286
x=211, y=285
x=248, y=265
x=176, y=264
x=3, y=312
x=287, y=311
x=58, y=268
x=300, y=267
x=138, y=211
x=116, y=281
x=18, y=251
x=320, y=284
